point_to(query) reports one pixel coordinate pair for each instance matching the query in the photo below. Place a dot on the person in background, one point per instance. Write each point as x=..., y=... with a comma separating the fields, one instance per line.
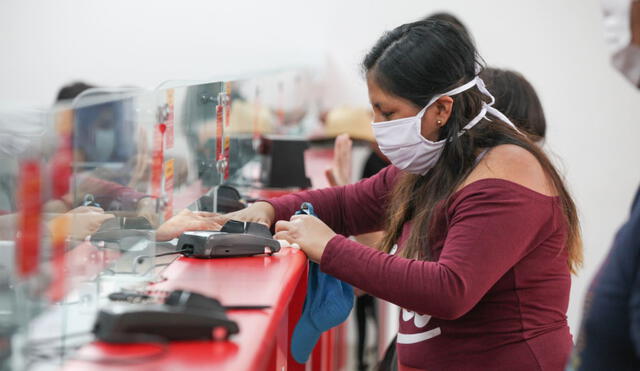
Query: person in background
x=517, y=99
x=622, y=36
x=21, y=131
x=111, y=193
x=102, y=133
x=609, y=335
x=481, y=235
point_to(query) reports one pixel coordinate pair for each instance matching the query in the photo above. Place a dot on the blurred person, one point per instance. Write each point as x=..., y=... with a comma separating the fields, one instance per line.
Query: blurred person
x=21, y=134
x=609, y=335
x=104, y=134
x=622, y=36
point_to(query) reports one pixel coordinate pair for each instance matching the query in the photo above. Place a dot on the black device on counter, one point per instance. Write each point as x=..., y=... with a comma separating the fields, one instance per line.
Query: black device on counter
x=283, y=162
x=114, y=230
x=183, y=316
x=221, y=199
x=234, y=239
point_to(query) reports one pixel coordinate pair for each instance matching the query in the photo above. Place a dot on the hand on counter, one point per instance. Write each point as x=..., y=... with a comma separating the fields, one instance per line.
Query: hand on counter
x=81, y=221
x=188, y=220
x=308, y=232
x=259, y=212
x=56, y=206
x=146, y=208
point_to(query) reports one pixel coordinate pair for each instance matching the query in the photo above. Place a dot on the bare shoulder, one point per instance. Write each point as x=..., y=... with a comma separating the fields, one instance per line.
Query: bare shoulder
x=515, y=164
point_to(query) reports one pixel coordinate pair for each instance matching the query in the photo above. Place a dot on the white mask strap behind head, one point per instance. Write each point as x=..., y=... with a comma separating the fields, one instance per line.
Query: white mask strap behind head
x=486, y=107
x=483, y=89
x=451, y=92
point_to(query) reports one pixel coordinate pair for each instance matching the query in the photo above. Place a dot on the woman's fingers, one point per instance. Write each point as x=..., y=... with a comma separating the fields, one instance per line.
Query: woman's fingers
x=206, y=214
x=86, y=209
x=328, y=173
x=288, y=231
x=283, y=225
x=204, y=225
x=96, y=220
x=284, y=235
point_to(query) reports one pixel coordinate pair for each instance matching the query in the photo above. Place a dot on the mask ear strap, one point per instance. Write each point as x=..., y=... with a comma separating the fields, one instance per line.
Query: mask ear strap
x=462, y=88
x=451, y=92
x=501, y=116
x=488, y=106
x=479, y=116
x=422, y=111
x=483, y=89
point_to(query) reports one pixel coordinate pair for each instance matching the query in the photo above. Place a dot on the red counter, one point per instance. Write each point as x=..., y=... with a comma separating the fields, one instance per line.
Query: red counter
x=264, y=339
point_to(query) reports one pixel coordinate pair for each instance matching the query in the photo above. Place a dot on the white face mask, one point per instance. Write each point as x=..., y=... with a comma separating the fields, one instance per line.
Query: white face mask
x=617, y=28
x=403, y=144
x=105, y=144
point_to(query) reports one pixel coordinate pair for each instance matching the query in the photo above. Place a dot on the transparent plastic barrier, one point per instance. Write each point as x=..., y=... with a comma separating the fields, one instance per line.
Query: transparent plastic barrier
x=112, y=167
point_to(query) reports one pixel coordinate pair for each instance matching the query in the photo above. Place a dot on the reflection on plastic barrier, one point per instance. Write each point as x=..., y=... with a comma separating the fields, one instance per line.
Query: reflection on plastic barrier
x=86, y=189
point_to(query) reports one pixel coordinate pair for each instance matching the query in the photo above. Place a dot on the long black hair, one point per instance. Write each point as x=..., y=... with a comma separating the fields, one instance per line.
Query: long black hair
x=417, y=61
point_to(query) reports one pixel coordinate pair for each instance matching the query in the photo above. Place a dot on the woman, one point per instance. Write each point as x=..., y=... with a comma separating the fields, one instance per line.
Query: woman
x=480, y=233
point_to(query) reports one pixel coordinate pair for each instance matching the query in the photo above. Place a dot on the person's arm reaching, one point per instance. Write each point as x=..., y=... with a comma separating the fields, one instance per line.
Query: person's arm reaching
x=349, y=210
x=490, y=231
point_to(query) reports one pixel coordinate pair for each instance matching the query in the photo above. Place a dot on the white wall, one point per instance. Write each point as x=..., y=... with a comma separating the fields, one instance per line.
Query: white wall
x=558, y=45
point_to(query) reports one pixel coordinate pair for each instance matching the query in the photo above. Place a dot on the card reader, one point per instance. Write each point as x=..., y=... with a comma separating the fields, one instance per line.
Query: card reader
x=234, y=239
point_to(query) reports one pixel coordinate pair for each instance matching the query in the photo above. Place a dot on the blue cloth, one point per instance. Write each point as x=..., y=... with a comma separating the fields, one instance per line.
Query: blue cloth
x=609, y=337
x=327, y=304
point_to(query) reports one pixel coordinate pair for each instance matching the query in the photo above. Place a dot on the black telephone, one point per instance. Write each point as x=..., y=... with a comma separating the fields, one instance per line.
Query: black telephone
x=183, y=316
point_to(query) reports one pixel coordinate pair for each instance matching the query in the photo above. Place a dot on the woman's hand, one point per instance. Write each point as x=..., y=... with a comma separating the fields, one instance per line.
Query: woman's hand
x=187, y=220
x=308, y=232
x=146, y=208
x=259, y=212
x=340, y=173
x=79, y=222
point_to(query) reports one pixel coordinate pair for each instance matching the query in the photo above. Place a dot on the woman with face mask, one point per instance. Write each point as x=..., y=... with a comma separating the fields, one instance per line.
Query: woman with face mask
x=481, y=235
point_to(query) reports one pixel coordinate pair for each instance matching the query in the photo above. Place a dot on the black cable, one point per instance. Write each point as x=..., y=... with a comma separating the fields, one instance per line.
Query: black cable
x=129, y=297
x=140, y=258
